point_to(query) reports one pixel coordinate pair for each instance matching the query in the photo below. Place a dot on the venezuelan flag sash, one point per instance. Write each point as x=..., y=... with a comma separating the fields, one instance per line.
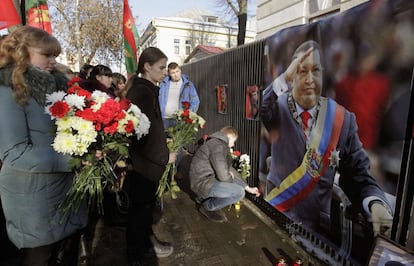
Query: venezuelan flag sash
x=303, y=179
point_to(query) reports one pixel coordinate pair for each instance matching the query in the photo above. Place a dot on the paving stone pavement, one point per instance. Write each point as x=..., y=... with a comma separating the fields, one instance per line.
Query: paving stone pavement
x=248, y=238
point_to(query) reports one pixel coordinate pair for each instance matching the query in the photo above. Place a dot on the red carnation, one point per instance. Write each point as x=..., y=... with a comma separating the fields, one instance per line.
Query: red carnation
x=74, y=80
x=79, y=91
x=129, y=127
x=59, y=109
x=87, y=114
x=237, y=153
x=108, y=112
x=120, y=115
x=124, y=104
x=111, y=128
x=186, y=113
x=188, y=120
x=98, y=126
x=186, y=105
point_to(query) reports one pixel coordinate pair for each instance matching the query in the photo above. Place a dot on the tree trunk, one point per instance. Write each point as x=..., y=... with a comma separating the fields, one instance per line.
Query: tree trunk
x=242, y=28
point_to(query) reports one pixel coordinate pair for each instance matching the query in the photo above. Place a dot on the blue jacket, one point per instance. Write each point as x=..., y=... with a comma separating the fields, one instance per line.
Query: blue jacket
x=34, y=178
x=287, y=152
x=188, y=93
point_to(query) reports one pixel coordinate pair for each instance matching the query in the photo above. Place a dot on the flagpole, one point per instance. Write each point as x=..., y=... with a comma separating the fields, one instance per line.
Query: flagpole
x=77, y=34
x=23, y=11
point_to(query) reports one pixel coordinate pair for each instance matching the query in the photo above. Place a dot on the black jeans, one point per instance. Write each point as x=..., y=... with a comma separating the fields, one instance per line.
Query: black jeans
x=141, y=193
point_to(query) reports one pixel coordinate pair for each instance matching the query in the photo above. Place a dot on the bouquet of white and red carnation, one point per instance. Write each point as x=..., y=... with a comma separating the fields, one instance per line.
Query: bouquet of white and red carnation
x=241, y=164
x=182, y=133
x=88, y=124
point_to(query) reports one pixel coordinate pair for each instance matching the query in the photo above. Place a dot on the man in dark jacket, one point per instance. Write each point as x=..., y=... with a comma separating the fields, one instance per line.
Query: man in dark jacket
x=212, y=177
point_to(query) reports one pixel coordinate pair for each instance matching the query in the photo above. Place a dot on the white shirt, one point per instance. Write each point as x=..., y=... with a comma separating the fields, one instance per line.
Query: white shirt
x=173, y=98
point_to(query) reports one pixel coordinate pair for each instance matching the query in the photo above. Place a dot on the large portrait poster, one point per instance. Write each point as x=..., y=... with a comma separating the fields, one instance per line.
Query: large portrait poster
x=351, y=76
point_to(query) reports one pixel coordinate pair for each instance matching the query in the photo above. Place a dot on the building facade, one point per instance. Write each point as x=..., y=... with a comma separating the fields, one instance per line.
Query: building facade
x=177, y=36
x=273, y=16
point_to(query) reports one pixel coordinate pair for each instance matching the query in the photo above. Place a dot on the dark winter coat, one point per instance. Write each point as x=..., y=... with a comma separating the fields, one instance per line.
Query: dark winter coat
x=93, y=85
x=150, y=154
x=211, y=163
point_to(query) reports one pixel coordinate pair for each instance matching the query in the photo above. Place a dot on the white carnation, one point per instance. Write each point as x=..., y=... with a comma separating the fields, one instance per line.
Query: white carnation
x=76, y=101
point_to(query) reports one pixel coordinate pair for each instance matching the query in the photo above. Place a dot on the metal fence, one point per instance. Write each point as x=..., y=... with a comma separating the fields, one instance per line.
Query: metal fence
x=236, y=69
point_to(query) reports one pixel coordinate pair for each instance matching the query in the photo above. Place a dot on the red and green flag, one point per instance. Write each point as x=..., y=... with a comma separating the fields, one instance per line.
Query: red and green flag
x=8, y=14
x=37, y=15
x=130, y=40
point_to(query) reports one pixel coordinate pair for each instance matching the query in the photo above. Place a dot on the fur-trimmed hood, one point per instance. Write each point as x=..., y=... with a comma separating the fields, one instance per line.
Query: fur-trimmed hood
x=39, y=82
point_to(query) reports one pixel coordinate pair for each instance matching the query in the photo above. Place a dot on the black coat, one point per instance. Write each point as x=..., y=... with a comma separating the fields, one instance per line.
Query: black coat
x=150, y=154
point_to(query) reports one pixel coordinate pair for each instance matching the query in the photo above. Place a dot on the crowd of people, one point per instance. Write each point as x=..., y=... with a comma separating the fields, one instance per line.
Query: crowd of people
x=34, y=178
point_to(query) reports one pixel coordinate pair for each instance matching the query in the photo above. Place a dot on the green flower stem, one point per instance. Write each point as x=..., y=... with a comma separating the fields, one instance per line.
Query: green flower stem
x=89, y=184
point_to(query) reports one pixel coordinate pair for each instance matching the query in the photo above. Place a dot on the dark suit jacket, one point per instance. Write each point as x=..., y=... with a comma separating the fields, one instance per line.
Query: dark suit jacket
x=287, y=152
x=149, y=155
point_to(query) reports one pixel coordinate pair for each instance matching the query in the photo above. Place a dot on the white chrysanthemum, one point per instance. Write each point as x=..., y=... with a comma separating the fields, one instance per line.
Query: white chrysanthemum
x=55, y=96
x=143, y=126
x=63, y=123
x=201, y=121
x=99, y=97
x=64, y=143
x=82, y=126
x=76, y=101
x=245, y=158
x=193, y=115
x=134, y=109
x=87, y=139
x=81, y=148
x=141, y=121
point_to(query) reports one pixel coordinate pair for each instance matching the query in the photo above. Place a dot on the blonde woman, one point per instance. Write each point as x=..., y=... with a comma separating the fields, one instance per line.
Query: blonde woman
x=34, y=178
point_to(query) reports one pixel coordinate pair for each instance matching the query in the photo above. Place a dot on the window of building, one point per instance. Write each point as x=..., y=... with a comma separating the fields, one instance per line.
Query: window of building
x=319, y=5
x=211, y=19
x=177, y=46
x=187, y=47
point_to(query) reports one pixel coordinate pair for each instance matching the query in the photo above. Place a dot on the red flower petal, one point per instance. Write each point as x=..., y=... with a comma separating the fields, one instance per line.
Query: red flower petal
x=59, y=109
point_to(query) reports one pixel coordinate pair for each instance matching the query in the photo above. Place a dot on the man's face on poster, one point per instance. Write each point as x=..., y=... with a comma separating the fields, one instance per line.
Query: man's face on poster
x=307, y=83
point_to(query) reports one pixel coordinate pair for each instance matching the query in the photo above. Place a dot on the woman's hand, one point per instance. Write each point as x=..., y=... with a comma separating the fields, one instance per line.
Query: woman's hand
x=98, y=155
x=172, y=157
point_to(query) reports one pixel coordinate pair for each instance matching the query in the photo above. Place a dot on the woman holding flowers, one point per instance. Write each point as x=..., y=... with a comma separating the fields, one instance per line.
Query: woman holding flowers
x=34, y=178
x=148, y=155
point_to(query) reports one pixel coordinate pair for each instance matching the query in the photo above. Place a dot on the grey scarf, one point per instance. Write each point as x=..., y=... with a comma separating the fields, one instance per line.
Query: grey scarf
x=39, y=82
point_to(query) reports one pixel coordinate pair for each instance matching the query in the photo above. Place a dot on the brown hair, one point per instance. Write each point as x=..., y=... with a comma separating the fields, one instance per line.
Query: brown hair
x=228, y=130
x=14, y=50
x=172, y=65
x=150, y=55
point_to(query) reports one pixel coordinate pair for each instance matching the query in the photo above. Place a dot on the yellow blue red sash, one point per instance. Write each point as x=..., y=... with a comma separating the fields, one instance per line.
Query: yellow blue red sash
x=303, y=179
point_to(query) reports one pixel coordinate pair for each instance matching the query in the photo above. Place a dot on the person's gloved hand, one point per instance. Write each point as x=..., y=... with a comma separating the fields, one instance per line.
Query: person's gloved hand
x=381, y=219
